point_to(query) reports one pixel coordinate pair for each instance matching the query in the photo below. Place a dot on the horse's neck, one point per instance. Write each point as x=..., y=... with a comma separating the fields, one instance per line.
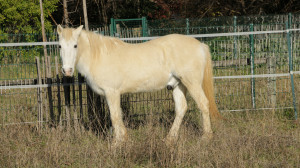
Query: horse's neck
x=94, y=48
x=83, y=60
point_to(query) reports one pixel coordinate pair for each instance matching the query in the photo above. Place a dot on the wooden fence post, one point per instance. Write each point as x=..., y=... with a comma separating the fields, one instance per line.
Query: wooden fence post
x=75, y=116
x=49, y=90
x=90, y=100
x=66, y=81
x=43, y=77
x=85, y=15
x=39, y=93
x=58, y=92
x=80, y=81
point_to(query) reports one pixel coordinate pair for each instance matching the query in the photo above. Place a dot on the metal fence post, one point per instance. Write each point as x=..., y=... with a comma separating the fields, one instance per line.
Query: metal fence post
x=235, y=41
x=290, y=20
x=291, y=67
x=235, y=38
x=112, y=27
x=271, y=64
x=187, y=26
x=145, y=27
x=252, y=67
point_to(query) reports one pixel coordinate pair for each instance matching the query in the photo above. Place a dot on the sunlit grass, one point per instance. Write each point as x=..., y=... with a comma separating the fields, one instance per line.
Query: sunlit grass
x=249, y=139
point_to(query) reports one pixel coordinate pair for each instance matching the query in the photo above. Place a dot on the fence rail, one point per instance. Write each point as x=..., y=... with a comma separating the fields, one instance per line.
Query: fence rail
x=256, y=69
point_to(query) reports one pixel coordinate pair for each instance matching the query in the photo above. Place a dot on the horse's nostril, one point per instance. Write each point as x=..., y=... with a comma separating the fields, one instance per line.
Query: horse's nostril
x=63, y=70
x=67, y=71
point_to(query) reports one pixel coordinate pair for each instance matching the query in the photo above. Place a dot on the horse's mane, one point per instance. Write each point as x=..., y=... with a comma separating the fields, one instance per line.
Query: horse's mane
x=99, y=45
x=103, y=41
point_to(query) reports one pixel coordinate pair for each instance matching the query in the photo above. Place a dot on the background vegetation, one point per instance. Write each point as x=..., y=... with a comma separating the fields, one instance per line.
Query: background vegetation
x=100, y=11
x=24, y=15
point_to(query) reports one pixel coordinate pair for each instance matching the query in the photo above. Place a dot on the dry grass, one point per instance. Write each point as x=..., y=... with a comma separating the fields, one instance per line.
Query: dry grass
x=245, y=140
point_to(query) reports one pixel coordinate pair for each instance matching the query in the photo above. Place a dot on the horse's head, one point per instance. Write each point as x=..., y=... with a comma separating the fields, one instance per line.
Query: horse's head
x=68, y=38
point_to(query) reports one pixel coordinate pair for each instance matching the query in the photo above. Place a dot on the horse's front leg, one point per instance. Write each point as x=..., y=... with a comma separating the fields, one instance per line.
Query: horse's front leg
x=113, y=100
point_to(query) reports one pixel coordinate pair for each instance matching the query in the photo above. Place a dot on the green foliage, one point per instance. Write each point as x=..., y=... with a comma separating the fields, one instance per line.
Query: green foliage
x=23, y=16
x=20, y=22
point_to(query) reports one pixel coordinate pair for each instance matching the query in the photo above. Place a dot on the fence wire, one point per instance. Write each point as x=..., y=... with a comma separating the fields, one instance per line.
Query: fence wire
x=253, y=66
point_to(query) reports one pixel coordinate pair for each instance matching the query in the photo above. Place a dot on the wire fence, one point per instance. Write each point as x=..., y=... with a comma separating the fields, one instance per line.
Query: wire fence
x=256, y=67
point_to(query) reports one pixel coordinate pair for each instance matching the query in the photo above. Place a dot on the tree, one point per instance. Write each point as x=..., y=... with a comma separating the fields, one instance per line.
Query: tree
x=207, y=8
x=66, y=15
x=86, y=23
x=23, y=16
x=100, y=11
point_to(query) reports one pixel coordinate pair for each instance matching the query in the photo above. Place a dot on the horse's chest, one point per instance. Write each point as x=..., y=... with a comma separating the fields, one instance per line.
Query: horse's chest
x=95, y=86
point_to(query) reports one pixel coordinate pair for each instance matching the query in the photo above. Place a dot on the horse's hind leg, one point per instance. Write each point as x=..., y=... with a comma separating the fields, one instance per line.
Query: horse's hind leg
x=179, y=93
x=113, y=100
x=196, y=91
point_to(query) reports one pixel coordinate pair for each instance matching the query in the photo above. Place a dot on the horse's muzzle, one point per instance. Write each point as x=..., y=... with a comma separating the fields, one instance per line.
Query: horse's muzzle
x=67, y=72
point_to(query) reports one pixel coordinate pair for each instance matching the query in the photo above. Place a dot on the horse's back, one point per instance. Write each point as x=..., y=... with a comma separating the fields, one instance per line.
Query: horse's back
x=183, y=51
x=180, y=47
x=171, y=53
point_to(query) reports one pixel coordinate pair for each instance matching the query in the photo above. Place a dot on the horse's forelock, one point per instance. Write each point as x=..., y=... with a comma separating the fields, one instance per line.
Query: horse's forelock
x=67, y=33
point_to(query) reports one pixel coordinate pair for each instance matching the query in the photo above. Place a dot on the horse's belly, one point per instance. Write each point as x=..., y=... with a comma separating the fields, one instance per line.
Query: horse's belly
x=145, y=85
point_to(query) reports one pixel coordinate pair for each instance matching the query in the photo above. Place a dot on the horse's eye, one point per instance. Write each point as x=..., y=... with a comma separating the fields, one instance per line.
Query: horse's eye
x=75, y=46
x=59, y=46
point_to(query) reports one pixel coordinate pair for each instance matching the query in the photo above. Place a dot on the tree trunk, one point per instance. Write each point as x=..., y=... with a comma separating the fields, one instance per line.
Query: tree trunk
x=44, y=39
x=66, y=16
x=104, y=12
x=85, y=15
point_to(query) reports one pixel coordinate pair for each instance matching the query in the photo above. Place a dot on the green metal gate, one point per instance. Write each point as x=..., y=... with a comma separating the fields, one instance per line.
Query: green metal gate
x=129, y=27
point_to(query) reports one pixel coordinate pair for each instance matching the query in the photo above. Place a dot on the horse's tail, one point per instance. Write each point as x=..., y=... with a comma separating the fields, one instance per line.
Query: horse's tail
x=208, y=86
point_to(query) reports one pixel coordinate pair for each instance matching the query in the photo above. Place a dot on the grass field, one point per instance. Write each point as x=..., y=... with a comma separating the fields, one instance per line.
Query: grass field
x=247, y=139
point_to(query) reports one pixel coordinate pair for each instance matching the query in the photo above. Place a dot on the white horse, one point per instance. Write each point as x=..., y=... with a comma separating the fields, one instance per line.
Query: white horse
x=113, y=67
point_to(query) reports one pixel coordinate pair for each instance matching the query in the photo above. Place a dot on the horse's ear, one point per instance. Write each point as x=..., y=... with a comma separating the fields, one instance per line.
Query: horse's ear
x=77, y=31
x=59, y=29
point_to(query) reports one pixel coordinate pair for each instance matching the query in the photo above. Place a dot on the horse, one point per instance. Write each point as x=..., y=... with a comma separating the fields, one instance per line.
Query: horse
x=113, y=67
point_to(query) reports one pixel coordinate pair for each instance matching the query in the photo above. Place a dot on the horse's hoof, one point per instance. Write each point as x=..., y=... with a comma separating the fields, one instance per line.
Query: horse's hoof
x=207, y=137
x=170, y=141
x=119, y=142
